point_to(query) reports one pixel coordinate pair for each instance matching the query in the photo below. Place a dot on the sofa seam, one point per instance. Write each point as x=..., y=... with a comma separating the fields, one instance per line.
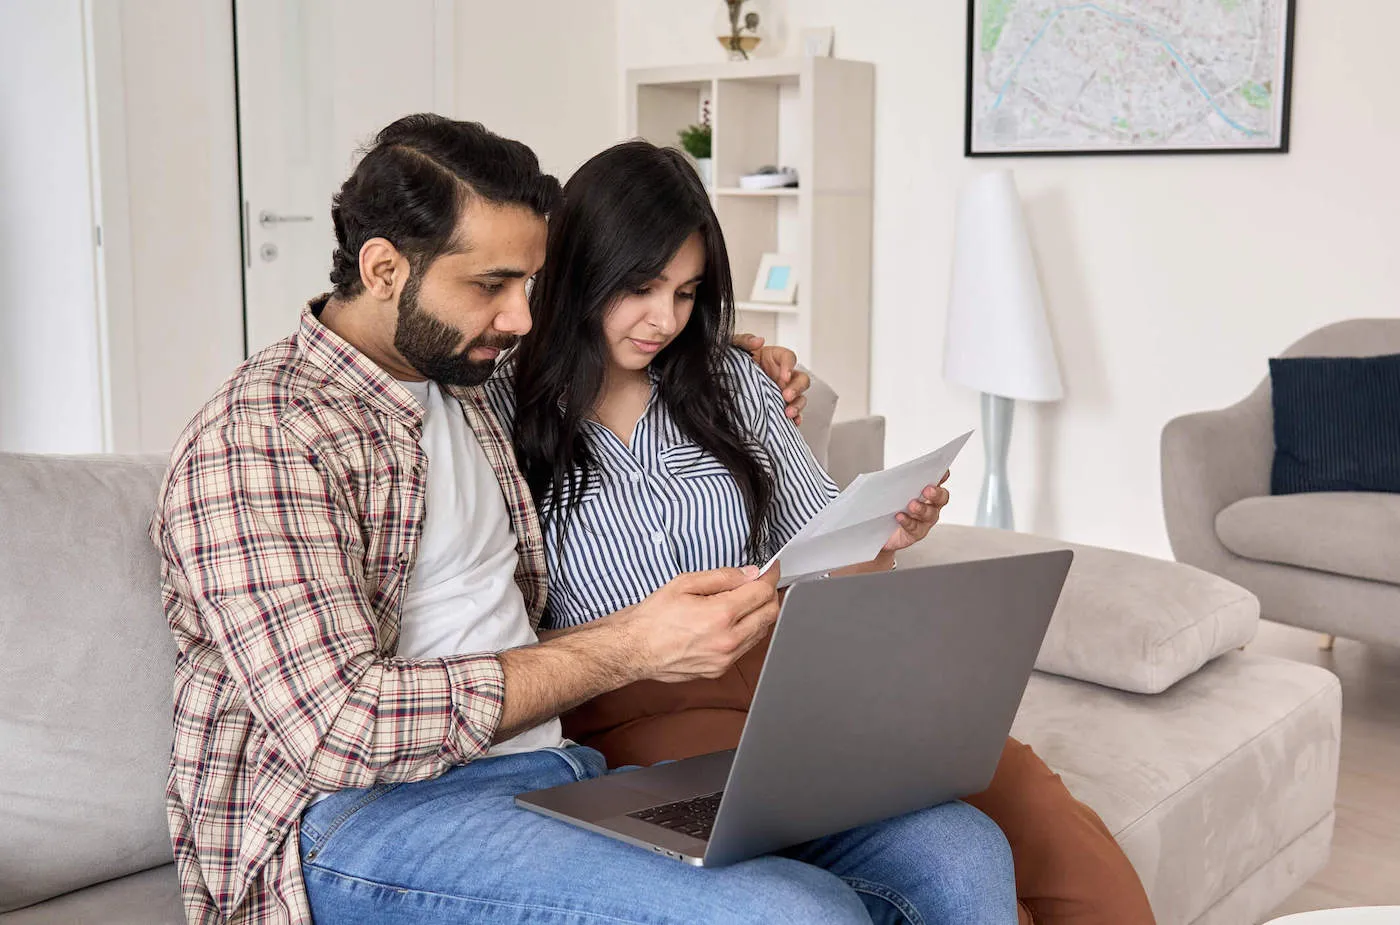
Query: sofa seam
x=1154, y=665
x=1309, y=568
x=1190, y=626
x=91, y=886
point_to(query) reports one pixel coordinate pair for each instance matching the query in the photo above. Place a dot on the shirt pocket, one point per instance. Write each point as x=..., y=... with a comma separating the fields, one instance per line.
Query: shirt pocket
x=585, y=512
x=591, y=493
x=692, y=461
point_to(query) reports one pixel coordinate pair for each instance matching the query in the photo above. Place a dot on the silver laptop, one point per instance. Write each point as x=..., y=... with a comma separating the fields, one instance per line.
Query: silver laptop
x=881, y=694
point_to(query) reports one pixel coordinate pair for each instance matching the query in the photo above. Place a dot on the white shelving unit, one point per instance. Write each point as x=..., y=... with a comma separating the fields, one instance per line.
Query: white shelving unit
x=735, y=191
x=814, y=114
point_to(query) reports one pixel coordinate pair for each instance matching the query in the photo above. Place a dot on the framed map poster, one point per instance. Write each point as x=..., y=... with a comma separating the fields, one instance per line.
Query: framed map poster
x=1128, y=76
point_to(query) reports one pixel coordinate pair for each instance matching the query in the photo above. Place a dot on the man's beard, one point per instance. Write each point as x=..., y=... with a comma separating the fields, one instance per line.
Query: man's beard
x=431, y=346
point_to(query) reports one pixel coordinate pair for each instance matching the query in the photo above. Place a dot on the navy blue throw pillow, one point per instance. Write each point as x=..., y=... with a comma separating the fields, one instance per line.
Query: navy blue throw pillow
x=1336, y=424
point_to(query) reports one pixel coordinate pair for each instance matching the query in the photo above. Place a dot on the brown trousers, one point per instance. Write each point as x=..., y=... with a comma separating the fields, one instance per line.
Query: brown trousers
x=1069, y=870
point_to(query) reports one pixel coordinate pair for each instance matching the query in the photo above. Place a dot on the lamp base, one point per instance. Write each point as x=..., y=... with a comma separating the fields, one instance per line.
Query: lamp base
x=994, y=505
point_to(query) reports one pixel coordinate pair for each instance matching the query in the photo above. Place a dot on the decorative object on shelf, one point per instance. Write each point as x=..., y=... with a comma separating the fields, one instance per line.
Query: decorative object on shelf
x=769, y=177
x=998, y=339
x=698, y=141
x=776, y=281
x=737, y=24
x=817, y=43
x=1132, y=77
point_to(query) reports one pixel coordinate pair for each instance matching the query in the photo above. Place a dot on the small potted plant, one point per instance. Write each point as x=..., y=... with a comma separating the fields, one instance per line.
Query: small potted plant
x=696, y=141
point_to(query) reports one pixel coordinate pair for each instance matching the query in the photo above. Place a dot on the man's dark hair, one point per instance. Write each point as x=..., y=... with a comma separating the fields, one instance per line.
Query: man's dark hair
x=413, y=182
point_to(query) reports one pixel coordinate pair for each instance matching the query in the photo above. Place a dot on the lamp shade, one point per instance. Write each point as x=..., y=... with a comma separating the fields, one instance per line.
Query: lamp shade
x=998, y=340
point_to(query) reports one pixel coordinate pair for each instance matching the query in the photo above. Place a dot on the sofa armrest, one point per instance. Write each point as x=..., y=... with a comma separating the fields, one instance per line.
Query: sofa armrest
x=857, y=446
x=1210, y=460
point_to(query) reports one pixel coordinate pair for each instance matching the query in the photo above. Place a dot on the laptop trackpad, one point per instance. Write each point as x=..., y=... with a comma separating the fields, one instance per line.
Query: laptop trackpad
x=619, y=794
x=590, y=799
x=678, y=780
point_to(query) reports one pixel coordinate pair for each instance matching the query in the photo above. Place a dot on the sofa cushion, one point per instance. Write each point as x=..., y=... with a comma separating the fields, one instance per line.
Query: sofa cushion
x=1202, y=785
x=817, y=417
x=1125, y=621
x=1356, y=534
x=1335, y=426
x=151, y=897
x=857, y=447
x=85, y=692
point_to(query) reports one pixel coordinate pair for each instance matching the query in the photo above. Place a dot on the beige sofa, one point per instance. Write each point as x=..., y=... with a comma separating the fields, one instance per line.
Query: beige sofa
x=1328, y=561
x=1219, y=785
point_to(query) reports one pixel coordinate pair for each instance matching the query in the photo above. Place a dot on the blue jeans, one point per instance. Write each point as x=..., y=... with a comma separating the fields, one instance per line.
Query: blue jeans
x=457, y=849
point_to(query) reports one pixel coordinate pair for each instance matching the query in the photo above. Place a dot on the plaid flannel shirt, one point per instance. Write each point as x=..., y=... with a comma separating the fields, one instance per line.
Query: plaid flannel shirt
x=287, y=527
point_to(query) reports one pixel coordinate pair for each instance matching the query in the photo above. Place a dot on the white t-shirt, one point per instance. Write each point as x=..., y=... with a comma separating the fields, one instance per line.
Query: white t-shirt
x=462, y=597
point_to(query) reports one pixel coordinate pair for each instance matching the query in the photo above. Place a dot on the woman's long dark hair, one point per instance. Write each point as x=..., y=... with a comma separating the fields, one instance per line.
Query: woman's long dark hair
x=626, y=213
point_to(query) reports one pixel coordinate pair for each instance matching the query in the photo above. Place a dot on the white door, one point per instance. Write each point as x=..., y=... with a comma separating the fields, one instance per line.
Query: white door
x=316, y=80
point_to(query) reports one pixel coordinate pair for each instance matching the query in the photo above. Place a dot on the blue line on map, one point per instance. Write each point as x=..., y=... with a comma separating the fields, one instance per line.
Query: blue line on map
x=1132, y=22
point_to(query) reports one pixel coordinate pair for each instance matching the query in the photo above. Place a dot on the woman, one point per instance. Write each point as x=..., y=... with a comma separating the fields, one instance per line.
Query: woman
x=653, y=448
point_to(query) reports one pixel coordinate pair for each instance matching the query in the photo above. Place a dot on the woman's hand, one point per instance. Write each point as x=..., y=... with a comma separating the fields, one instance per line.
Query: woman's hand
x=780, y=365
x=918, y=518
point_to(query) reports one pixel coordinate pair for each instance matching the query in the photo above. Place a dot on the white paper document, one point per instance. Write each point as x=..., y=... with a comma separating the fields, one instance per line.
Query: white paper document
x=855, y=526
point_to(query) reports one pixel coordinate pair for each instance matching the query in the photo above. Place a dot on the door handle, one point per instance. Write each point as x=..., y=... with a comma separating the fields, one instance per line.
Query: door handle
x=267, y=219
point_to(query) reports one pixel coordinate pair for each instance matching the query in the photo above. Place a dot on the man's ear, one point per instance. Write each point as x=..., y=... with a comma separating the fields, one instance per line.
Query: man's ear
x=383, y=269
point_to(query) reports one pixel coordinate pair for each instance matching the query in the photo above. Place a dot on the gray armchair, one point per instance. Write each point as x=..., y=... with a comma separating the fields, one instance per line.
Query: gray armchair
x=1325, y=561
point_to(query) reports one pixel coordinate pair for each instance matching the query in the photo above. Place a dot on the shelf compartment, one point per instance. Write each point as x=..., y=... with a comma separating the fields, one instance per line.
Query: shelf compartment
x=769, y=308
x=737, y=191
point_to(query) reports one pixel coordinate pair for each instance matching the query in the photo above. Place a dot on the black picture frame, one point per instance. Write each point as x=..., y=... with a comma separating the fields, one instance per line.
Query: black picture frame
x=1284, y=124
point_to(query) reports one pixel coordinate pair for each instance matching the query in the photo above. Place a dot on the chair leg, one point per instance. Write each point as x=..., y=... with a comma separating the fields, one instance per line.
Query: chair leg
x=1327, y=643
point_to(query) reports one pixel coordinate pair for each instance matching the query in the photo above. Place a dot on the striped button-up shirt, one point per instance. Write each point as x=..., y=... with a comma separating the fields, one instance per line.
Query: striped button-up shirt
x=660, y=505
x=287, y=527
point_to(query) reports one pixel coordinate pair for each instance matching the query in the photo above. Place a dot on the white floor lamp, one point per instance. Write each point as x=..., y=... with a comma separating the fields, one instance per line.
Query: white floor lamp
x=998, y=341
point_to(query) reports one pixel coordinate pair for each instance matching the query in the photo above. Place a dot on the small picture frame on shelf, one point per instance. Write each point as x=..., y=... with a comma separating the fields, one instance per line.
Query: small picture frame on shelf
x=817, y=42
x=776, y=281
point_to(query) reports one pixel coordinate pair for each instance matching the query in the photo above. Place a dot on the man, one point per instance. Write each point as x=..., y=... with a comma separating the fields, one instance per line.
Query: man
x=352, y=569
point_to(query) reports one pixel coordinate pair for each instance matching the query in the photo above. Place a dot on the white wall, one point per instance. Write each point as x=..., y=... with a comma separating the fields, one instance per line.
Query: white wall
x=152, y=160
x=543, y=72
x=182, y=172
x=180, y=148
x=173, y=135
x=1169, y=280
x=50, y=382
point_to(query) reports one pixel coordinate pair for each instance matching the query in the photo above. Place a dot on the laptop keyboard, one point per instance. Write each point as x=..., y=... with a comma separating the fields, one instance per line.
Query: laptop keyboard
x=694, y=817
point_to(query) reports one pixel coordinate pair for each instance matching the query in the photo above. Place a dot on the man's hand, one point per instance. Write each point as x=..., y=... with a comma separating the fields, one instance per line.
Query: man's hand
x=699, y=624
x=695, y=626
x=780, y=365
x=918, y=518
